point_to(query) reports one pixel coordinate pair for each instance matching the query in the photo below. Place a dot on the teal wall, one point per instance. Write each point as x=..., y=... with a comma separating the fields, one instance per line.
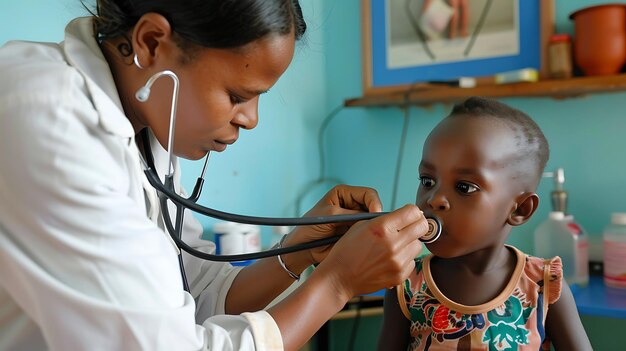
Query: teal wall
x=269, y=168
x=37, y=20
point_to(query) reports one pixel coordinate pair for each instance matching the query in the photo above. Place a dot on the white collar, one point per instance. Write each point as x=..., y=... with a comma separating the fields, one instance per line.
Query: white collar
x=83, y=53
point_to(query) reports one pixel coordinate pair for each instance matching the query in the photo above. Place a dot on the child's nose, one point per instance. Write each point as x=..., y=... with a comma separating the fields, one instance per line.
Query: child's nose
x=439, y=202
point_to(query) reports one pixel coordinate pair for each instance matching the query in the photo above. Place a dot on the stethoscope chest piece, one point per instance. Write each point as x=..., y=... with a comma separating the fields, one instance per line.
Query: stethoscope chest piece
x=434, y=231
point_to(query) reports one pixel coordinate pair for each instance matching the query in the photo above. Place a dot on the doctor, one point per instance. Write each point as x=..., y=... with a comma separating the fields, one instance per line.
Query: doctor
x=85, y=263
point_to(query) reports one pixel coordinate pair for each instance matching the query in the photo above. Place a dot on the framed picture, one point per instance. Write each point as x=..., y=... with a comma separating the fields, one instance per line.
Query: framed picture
x=408, y=42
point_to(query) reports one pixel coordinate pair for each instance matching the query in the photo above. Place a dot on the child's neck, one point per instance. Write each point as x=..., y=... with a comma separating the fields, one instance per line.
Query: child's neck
x=487, y=272
x=479, y=262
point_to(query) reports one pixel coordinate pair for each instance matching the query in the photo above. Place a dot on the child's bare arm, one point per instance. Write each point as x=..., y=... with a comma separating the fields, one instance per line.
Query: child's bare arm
x=395, y=331
x=563, y=325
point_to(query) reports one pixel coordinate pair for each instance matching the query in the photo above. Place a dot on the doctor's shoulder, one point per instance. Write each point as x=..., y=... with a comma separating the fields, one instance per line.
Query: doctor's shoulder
x=29, y=69
x=39, y=87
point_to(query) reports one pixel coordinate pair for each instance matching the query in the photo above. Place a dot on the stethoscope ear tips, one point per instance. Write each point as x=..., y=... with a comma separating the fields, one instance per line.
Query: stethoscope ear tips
x=143, y=94
x=434, y=230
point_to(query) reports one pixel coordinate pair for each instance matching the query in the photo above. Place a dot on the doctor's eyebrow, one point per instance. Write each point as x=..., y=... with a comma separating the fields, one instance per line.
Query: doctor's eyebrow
x=255, y=92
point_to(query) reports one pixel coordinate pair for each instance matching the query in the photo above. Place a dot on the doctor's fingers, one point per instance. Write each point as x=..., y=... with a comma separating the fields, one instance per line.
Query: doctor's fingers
x=355, y=198
x=414, y=230
x=404, y=224
x=407, y=245
x=404, y=259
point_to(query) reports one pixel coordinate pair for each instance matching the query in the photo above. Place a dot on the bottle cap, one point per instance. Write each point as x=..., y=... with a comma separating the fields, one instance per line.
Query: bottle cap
x=247, y=228
x=555, y=38
x=557, y=215
x=618, y=218
x=224, y=227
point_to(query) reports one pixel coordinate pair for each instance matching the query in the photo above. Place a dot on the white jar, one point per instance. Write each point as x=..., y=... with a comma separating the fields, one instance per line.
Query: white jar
x=615, y=251
x=229, y=240
x=251, y=237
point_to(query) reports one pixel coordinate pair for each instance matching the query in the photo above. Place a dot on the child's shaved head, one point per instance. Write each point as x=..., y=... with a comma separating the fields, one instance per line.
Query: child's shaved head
x=529, y=138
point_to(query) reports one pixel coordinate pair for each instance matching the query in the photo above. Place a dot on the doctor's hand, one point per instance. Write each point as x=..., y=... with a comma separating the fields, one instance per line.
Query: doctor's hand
x=342, y=199
x=377, y=253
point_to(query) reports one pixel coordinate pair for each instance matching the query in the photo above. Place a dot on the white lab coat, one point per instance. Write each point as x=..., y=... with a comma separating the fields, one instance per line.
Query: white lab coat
x=84, y=263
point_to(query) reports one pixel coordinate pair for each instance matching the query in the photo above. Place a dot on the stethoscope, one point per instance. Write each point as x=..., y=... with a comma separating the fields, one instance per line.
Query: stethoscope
x=166, y=191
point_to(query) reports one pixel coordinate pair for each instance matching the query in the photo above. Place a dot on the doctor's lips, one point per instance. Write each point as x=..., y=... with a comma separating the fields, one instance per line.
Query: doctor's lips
x=221, y=144
x=226, y=141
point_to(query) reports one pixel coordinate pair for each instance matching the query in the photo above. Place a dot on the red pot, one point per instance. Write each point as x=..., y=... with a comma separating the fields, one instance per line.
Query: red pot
x=600, y=39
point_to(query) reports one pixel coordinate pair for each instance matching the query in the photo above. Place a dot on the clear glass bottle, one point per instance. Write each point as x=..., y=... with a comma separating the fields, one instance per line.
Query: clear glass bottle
x=614, y=238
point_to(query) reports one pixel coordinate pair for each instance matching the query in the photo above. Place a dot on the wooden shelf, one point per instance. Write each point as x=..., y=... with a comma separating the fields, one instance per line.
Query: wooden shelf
x=556, y=88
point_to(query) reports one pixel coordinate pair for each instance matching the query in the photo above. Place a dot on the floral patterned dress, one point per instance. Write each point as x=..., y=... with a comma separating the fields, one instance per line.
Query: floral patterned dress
x=514, y=320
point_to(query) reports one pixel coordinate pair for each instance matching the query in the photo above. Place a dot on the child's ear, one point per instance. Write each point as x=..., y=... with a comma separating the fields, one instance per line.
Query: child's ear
x=525, y=205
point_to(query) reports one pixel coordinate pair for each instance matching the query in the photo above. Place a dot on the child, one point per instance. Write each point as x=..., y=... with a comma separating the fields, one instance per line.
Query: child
x=479, y=171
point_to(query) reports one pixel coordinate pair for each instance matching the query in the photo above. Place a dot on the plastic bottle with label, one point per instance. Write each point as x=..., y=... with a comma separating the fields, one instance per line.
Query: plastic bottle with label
x=614, y=238
x=560, y=235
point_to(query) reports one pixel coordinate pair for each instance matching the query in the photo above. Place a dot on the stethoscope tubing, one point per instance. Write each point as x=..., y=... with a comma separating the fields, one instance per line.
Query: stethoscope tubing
x=154, y=180
x=167, y=191
x=182, y=203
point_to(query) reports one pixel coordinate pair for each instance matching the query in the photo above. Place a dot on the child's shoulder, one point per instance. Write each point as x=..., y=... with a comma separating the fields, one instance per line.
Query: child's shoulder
x=544, y=271
x=536, y=268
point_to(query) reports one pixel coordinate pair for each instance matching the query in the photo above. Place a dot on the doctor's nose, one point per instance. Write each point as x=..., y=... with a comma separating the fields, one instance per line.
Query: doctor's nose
x=247, y=115
x=438, y=202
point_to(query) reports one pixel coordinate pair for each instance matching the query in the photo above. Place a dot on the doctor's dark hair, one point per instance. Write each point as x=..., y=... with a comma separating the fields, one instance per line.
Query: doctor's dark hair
x=528, y=134
x=221, y=24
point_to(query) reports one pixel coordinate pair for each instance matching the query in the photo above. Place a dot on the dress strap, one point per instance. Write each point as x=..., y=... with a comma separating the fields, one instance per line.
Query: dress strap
x=546, y=288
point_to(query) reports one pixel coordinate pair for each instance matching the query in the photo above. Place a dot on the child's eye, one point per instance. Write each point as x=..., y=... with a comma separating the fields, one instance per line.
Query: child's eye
x=427, y=182
x=466, y=188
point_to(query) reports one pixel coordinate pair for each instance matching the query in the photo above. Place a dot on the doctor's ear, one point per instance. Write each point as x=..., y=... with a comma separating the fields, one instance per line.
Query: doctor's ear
x=151, y=38
x=525, y=205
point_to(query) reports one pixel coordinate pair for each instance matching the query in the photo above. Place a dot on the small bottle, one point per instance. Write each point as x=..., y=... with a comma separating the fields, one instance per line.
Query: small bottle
x=615, y=251
x=560, y=56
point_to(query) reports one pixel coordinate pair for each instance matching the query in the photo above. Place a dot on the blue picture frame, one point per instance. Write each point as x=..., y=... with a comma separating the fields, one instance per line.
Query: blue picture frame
x=534, y=29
